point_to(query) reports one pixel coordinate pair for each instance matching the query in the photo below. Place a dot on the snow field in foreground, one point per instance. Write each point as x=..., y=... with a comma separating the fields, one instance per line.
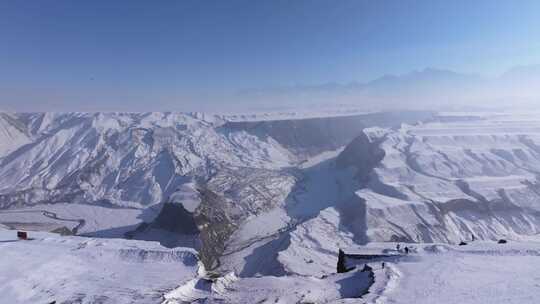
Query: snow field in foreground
x=86, y=270
x=480, y=272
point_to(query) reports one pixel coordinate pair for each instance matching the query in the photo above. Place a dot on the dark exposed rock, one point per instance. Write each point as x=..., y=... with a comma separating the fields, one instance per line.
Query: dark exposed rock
x=207, y=228
x=342, y=263
x=215, y=227
x=341, y=268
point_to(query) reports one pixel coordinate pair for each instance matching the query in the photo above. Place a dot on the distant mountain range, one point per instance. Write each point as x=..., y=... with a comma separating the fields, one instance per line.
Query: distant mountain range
x=433, y=89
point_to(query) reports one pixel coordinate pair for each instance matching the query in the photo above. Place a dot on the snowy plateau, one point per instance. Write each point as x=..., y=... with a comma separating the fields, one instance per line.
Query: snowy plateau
x=196, y=208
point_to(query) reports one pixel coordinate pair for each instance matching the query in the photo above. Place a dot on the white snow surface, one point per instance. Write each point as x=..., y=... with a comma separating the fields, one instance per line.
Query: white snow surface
x=98, y=220
x=49, y=267
x=313, y=245
x=85, y=270
x=268, y=289
x=480, y=272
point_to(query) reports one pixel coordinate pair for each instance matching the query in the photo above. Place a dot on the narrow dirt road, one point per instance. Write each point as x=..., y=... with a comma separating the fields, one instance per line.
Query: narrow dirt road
x=51, y=215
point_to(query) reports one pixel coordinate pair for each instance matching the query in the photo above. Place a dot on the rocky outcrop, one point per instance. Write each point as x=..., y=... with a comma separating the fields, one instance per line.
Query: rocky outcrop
x=216, y=226
x=206, y=229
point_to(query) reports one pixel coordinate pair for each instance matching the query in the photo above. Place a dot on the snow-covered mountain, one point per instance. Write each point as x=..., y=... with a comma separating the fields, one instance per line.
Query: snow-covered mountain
x=13, y=134
x=131, y=160
x=141, y=159
x=272, y=197
x=446, y=182
x=124, y=159
x=429, y=88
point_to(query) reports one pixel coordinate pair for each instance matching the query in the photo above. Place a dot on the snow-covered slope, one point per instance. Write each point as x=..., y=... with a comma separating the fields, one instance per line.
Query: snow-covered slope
x=13, y=134
x=85, y=270
x=124, y=159
x=230, y=289
x=480, y=272
x=452, y=181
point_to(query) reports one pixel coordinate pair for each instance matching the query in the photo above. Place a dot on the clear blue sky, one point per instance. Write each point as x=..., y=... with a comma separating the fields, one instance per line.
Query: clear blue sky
x=179, y=55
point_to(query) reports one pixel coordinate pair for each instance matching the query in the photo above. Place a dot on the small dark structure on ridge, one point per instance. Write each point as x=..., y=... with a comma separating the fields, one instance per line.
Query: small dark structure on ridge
x=22, y=235
x=341, y=267
x=502, y=241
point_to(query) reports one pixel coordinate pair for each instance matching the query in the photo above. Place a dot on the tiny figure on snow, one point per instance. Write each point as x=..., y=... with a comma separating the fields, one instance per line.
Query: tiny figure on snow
x=406, y=250
x=382, y=265
x=398, y=247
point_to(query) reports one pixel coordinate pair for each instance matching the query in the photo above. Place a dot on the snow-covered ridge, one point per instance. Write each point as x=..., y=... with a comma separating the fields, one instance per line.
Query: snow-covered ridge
x=137, y=159
x=454, y=181
x=126, y=159
x=13, y=134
